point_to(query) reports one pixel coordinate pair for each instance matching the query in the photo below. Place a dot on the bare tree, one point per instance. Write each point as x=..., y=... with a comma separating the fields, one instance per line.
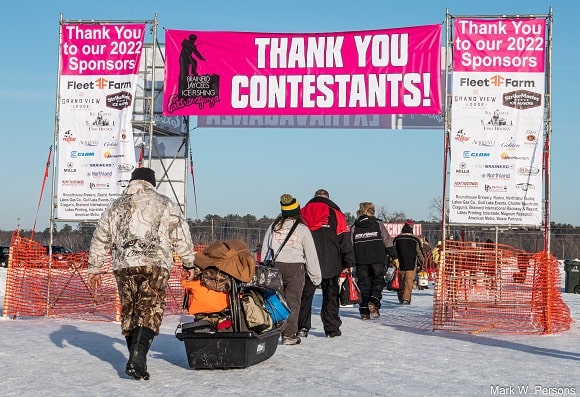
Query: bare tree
x=436, y=208
x=394, y=217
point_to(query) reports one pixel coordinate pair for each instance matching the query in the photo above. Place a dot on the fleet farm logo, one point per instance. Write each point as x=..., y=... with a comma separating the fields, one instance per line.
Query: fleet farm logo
x=99, y=84
x=497, y=81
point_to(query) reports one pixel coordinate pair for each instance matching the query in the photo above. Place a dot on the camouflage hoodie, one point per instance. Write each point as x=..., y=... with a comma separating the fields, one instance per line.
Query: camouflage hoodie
x=142, y=227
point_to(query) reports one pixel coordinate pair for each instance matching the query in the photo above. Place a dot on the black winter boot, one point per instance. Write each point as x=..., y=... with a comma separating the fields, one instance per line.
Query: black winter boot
x=140, y=343
x=129, y=339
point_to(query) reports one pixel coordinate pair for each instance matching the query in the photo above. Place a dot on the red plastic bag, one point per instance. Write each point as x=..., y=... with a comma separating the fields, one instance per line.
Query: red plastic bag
x=349, y=291
x=395, y=283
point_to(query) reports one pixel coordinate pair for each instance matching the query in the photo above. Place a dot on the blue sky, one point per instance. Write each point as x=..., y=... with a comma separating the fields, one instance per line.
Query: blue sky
x=244, y=171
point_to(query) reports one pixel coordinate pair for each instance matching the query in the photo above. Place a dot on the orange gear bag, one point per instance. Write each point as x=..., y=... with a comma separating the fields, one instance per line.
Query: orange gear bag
x=200, y=299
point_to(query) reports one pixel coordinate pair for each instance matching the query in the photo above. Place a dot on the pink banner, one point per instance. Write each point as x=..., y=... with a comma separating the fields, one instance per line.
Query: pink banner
x=101, y=49
x=97, y=86
x=500, y=45
x=390, y=71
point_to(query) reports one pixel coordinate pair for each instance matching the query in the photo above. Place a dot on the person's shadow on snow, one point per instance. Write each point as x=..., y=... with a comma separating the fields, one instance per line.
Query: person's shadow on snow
x=96, y=344
x=169, y=348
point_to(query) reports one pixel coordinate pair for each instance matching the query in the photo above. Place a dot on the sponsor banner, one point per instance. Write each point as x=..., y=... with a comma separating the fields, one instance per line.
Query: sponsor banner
x=359, y=122
x=389, y=71
x=99, y=70
x=394, y=229
x=497, y=126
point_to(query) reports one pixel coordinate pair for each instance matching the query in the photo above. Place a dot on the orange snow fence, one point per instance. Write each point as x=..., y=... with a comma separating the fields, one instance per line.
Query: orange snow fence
x=38, y=285
x=494, y=288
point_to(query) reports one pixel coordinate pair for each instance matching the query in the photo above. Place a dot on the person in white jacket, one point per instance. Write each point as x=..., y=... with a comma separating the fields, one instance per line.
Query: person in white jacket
x=296, y=258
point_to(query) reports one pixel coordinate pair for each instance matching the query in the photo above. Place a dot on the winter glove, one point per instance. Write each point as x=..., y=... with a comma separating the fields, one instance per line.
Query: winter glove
x=396, y=263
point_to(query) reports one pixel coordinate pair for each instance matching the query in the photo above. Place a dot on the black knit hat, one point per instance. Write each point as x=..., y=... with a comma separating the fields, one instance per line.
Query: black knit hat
x=145, y=174
x=289, y=205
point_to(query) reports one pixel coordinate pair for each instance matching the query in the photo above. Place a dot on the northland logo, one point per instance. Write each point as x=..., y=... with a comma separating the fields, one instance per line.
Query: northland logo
x=469, y=155
x=100, y=174
x=496, y=176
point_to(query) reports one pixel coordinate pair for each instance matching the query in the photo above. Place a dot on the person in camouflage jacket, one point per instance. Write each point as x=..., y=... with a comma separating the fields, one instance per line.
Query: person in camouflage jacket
x=140, y=231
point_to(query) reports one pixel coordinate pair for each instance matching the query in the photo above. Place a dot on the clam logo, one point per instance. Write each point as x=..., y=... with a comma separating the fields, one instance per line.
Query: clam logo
x=74, y=154
x=467, y=154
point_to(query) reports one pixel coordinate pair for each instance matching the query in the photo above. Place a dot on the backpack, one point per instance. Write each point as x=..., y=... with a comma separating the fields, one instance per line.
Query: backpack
x=257, y=317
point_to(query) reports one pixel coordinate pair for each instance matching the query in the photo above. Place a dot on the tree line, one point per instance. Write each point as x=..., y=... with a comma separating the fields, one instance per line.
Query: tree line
x=565, y=238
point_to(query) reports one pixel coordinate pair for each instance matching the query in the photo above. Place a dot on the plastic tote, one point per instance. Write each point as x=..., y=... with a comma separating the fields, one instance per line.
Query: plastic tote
x=210, y=349
x=225, y=350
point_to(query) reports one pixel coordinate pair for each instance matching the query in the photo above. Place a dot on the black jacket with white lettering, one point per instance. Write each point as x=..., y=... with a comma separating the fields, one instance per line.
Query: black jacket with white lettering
x=371, y=241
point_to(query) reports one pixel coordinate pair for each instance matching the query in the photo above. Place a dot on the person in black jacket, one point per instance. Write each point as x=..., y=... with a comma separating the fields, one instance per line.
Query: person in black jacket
x=335, y=253
x=410, y=255
x=372, y=247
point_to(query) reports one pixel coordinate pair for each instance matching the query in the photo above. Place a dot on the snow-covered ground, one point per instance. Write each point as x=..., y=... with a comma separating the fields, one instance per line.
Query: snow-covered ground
x=395, y=355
